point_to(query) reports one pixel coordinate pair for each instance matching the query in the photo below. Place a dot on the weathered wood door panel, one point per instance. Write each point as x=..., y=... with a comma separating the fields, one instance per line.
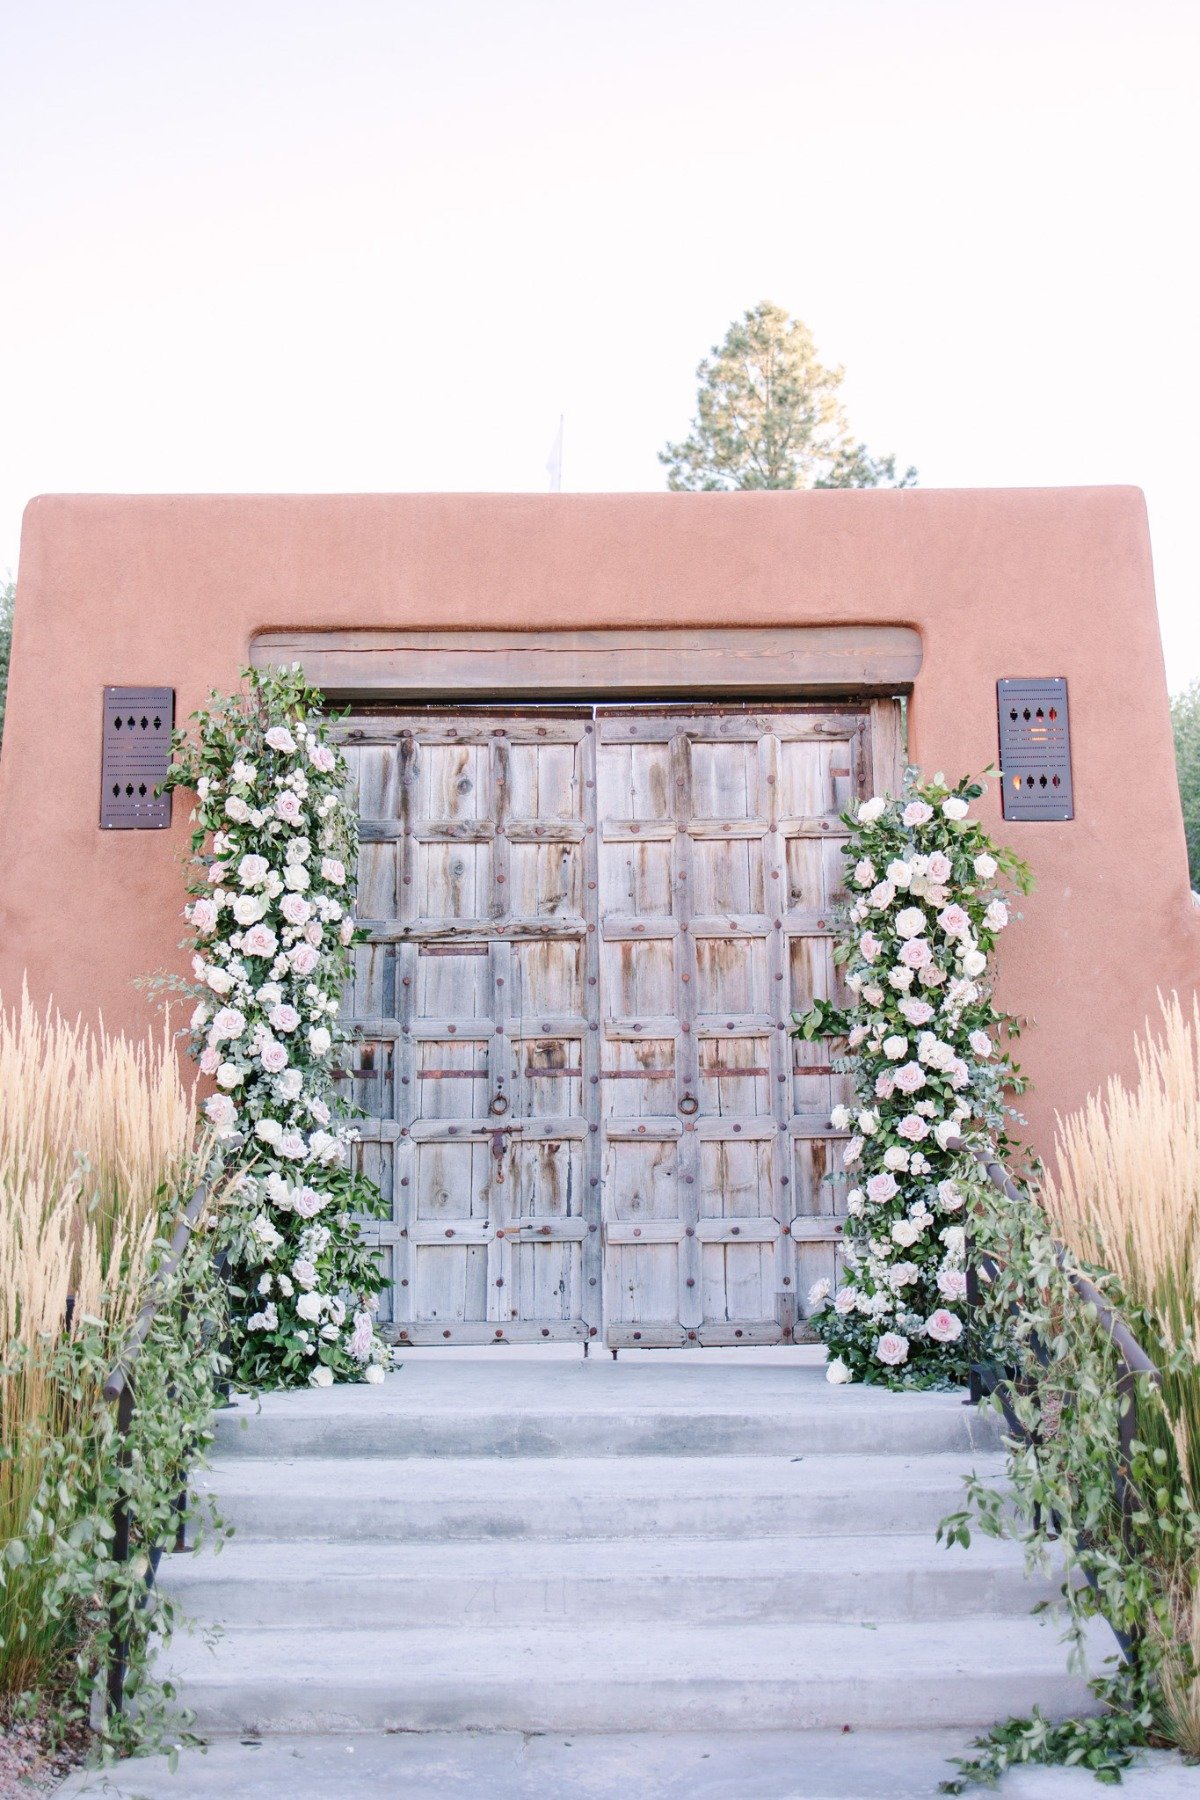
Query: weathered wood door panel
x=477, y=997
x=588, y=934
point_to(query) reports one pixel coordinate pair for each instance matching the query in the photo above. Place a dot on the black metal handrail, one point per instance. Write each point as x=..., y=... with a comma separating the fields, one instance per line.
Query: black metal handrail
x=120, y=1389
x=1132, y=1359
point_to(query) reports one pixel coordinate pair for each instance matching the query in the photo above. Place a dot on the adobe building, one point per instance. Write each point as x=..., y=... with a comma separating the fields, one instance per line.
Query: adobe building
x=600, y=744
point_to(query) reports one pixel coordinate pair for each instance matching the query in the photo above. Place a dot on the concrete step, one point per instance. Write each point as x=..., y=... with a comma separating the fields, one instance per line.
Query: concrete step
x=677, y=1580
x=424, y=1499
x=629, y=1677
x=600, y=1409
x=743, y=1765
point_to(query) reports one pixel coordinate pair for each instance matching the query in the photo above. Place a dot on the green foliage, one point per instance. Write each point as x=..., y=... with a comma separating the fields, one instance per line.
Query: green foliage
x=922, y=1043
x=1185, y=725
x=275, y=844
x=769, y=416
x=8, y=594
x=60, y=1585
x=1103, y=1744
x=1059, y=1374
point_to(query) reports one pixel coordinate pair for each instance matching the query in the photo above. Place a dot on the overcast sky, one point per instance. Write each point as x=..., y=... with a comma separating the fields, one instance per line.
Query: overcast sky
x=383, y=244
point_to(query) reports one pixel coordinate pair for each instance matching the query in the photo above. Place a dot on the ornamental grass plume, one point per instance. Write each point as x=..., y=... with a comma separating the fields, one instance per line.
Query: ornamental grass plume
x=96, y=1148
x=1125, y=1197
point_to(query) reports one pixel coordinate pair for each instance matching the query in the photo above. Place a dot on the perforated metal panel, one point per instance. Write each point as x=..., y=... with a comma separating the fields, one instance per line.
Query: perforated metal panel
x=1035, y=748
x=136, y=757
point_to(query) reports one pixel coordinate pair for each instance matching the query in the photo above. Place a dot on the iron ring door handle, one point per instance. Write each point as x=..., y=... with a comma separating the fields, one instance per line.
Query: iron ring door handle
x=689, y=1104
x=500, y=1103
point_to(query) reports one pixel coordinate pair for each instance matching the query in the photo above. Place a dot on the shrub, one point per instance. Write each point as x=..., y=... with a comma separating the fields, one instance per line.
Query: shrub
x=97, y=1160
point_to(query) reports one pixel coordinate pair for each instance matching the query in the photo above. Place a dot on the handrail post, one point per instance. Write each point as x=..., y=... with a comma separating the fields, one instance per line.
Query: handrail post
x=117, y=1636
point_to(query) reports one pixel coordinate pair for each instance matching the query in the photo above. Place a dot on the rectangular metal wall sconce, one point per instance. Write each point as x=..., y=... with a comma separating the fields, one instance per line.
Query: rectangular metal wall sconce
x=1035, y=749
x=136, y=757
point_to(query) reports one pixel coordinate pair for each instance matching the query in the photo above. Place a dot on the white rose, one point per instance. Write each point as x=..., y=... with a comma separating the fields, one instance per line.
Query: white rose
x=247, y=910
x=269, y=1130
x=280, y=738
x=911, y=922
x=896, y=1158
x=310, y=1307
x=974, y=963
x=945, y=1133
x=321, y=1376
x=899, y=873
x=374, y=1373
x=319, y=1040
x=905, y=1232
x=839, y=1118
x=954, y=808
x=296, y=876
x=237, y=810
x=985, y=866
x=895, y=1047
x=836, y=1371
x=870, y=810
x=818, y=1293
x=229, y=1075
x=868, y=1123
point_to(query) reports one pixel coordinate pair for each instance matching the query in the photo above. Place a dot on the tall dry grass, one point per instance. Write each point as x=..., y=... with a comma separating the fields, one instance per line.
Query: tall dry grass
x=1126, y=1197
x=96, y=1146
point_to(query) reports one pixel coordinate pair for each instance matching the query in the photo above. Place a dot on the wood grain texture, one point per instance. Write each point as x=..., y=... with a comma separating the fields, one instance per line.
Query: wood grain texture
x=588, y=933
x=491, y=665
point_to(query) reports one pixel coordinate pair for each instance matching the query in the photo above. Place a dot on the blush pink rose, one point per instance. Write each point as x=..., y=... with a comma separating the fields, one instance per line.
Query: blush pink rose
x=288, y=808
x=881, y=1188
x=322, y=758
x=954, y=921
x=333, y=870
x=916, y=954
x=203, y=915
x=913, y=1127
x=940, y=868
x=260, y=940
x=869, y=946
x=303, y=959
x=885, y=1086
x=284, y=1017
x=917, y=1012
x=943, y=1326
x=980, y=1043
x=910, y=1078
x=295, y=909
x=916, y=813
x=952, y=1284
x=210, y=1061
x=892, y=1348
x=273, y=1057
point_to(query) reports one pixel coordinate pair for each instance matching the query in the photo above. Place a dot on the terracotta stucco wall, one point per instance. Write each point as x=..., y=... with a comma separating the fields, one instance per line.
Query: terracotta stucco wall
x=171, y=591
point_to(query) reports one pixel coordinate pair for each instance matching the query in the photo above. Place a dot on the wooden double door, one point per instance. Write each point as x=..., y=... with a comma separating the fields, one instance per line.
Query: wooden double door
x=588, y=930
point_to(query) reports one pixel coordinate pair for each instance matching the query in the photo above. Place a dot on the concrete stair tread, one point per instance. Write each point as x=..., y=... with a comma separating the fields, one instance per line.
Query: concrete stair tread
x=548, y=1581
x=451, y=1479
x=628, y=1677
x=795, y=1651
x=857, y=1558
x=490, y=1384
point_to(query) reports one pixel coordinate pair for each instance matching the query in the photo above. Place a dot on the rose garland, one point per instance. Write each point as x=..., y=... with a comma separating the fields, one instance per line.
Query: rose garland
x=925, y=1052
x=274, y=851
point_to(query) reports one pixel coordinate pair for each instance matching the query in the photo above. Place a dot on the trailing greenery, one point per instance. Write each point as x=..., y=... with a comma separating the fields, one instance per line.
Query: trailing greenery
x=769, y=415
x=1125, y=1194
x=923, y=1046
x=275, y=846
